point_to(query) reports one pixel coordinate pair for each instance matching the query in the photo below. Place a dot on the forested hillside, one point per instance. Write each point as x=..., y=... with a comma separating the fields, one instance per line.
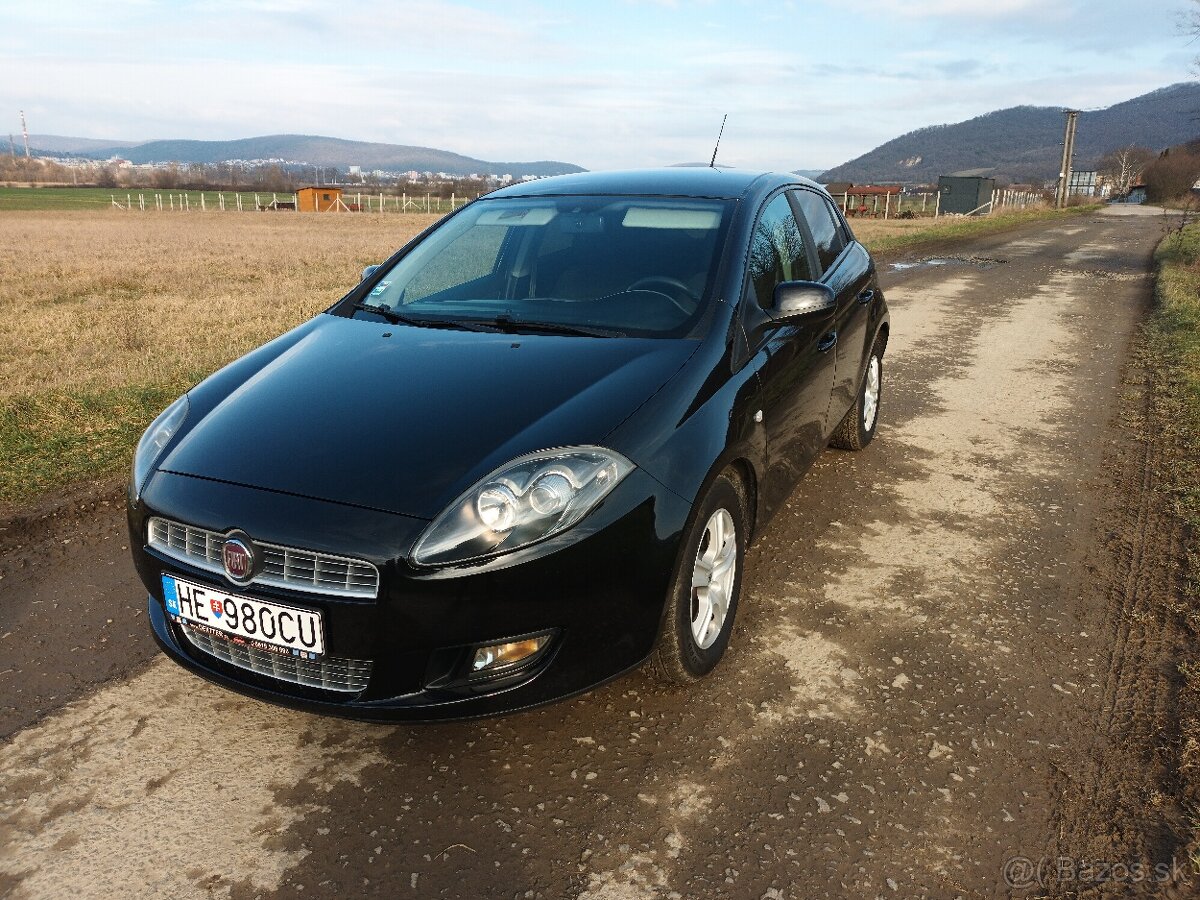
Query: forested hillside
x=1024, y=143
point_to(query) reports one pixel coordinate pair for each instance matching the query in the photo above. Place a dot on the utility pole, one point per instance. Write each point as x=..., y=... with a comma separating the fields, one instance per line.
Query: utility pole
x=12, y=146
x=25, y=132
x=1068, y=158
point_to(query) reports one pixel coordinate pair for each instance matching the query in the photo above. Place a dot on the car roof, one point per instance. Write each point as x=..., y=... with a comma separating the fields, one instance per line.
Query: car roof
x=679, y=181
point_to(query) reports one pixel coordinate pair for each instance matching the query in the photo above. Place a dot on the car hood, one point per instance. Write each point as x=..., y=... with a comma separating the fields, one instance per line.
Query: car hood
x=405, y=419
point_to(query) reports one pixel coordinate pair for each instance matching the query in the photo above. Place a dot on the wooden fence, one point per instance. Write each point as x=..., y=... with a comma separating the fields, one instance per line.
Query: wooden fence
x=891, y=206
x=871, y=205
x=231, y=201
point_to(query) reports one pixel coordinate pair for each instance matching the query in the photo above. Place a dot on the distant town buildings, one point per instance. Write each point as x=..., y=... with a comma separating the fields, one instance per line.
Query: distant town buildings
x=350, y=175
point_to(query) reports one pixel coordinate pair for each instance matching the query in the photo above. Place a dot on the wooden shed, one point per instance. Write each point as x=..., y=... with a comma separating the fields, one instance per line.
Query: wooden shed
x=320, y=199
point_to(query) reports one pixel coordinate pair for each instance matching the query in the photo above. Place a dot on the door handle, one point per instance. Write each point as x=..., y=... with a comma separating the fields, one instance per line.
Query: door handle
x=827, y=342
x=866, y=297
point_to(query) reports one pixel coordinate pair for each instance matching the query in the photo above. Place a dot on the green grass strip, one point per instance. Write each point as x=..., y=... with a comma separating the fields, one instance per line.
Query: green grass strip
x=1173, y=347
x=53, y=439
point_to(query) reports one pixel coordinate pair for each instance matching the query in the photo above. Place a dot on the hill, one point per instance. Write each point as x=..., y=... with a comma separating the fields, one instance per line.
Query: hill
x=49, y=144
x=311, y=150
x=1024, y=143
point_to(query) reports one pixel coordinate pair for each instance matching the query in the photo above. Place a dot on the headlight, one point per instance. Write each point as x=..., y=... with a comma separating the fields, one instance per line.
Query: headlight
x=529, y=499
x=157, y=436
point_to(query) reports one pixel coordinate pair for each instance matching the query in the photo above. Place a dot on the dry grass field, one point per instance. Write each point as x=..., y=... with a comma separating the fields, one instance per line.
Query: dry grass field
x=106, y=316
x=92, y=301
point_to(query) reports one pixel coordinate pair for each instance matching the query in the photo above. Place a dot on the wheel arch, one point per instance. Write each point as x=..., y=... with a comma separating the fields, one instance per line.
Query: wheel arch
x=744, y=471
x=740, y=465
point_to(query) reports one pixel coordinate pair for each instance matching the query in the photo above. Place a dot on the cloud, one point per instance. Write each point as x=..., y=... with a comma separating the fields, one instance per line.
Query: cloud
x=806, y=85
x=959, y=68
x=959, y=9
x=1089, y=24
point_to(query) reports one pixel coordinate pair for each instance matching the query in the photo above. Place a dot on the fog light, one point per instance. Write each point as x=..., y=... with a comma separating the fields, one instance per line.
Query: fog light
x=499, y=656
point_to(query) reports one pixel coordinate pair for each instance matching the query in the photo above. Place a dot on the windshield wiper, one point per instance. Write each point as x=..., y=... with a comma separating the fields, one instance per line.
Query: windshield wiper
x=516, y=326
x=388, y=313
x=502, y=323
x=400, y=319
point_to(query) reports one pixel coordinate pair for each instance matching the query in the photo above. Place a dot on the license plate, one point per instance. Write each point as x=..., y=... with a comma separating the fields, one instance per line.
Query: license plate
x=245, y=620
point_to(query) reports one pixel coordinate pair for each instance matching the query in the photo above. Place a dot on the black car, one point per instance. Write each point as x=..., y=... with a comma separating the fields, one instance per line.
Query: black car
x=521, y=457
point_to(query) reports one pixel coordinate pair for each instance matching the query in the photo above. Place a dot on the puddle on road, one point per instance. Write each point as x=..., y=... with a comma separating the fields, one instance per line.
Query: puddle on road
x=1091, y=253
x=977, y=262
x=1105, y=274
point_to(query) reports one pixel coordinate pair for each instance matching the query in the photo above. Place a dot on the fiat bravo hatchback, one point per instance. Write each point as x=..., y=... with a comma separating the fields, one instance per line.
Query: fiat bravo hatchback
x=522, y=456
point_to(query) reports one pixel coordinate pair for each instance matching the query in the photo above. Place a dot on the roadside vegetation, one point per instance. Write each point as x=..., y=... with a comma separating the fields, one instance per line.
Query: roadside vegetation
x=1173, y=356
x=107, y=316
x=1169, y=177
x=1174, y=333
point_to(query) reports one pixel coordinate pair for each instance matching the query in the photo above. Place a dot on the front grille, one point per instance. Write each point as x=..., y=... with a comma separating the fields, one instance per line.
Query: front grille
x=286, y=567
x=331, y=673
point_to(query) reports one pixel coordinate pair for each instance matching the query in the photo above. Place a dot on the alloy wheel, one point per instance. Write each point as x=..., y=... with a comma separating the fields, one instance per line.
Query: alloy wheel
x=713, y=578
x=870, y=406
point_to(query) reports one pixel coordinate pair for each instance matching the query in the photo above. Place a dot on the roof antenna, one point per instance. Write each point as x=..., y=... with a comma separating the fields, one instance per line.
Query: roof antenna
x=713, y=164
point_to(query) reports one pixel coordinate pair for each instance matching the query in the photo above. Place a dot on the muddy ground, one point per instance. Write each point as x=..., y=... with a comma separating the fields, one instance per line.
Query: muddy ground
x=952, y=675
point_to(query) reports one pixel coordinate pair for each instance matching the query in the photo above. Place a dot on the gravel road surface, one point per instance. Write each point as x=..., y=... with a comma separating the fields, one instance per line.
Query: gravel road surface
x=942, y=663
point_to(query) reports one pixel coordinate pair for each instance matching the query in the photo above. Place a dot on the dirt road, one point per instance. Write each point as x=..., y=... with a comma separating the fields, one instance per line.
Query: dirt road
x=946, y=659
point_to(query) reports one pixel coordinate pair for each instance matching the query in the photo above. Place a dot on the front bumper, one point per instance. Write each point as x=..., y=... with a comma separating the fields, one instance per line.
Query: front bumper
x=600, y=595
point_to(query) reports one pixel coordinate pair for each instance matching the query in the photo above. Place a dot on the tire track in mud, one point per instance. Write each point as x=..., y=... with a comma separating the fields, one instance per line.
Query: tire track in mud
x=1105, y=814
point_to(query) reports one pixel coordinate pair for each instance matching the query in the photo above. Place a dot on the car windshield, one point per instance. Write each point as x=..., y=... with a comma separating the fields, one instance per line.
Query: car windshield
x=635, y=266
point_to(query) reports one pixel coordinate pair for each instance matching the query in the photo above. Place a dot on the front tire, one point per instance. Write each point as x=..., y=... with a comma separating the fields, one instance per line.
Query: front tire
x=699, y=615
x=857, y=429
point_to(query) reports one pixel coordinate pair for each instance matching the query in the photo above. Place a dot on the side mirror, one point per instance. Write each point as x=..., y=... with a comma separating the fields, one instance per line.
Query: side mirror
x=368, y=272
x=796, y=300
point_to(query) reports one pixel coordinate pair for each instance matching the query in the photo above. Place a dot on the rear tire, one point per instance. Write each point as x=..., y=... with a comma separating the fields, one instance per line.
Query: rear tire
x=857, y=429
x=700, y=610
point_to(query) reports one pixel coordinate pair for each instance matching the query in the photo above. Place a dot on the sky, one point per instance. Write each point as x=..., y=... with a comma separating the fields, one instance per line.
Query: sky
x=807, y=84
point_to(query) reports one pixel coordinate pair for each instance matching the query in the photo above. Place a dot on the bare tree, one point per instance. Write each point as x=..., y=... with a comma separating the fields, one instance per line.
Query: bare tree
x=165, y=176
x=106, y=175
x=1189, y=25
x=1124, y=167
